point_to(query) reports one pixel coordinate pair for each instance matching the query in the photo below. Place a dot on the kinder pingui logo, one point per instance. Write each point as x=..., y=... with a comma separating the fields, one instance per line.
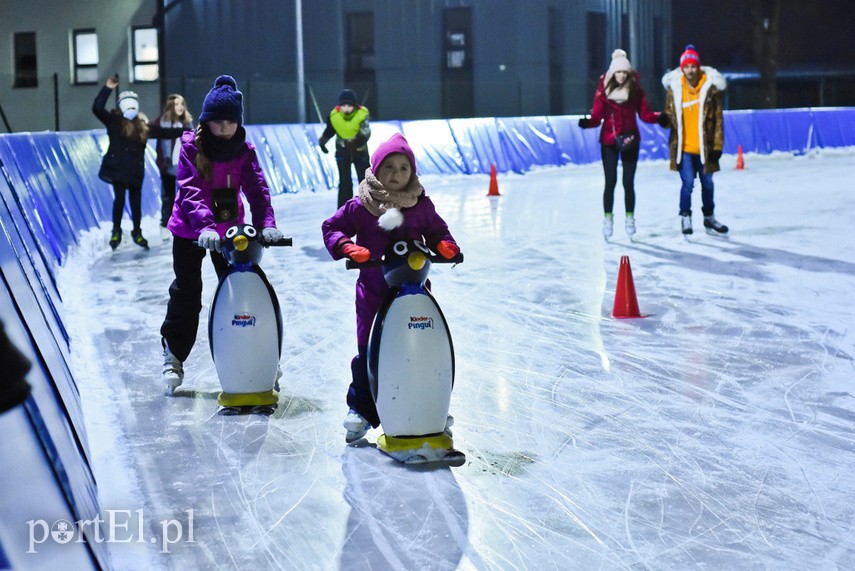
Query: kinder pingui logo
x=243, y=320
x=420, y=323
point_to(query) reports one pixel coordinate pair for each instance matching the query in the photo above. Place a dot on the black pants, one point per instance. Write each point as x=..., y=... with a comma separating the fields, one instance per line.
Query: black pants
x=359, y=392
x=629, y=160
x=167, y=197
x=345, y=182
x=135, y=194
x=185, y=295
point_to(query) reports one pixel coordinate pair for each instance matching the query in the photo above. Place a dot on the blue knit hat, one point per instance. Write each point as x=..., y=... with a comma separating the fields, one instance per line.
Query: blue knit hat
x=224, y=102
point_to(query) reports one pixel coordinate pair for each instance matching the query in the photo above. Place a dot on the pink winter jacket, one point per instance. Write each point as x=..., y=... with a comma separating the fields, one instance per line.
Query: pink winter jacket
x=192, y=213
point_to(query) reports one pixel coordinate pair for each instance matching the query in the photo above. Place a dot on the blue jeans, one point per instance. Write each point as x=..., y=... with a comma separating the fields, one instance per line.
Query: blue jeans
x=690, y=167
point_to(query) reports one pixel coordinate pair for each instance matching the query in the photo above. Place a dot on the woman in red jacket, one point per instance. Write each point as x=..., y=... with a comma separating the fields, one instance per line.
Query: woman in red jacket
x=619, y=98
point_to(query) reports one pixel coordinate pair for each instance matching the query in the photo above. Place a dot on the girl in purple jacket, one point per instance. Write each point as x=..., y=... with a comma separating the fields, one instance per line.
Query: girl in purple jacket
x=215, y=161
x=390, y=205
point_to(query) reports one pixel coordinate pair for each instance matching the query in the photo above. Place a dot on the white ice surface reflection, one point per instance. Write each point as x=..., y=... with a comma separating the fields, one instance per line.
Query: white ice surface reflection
x=715, y=433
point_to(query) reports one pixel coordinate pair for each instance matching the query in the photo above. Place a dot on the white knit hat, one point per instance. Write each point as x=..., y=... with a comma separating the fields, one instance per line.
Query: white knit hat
x=619, y=63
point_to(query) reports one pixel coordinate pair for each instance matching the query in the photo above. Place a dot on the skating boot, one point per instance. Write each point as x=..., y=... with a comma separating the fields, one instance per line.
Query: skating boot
x=356, y=426
x=173, y=371
x=714, y=227
x=138, y=239
x=115, y=238
x=630, y=224
x=165, y=234
x=686, y=223
x=608, y=225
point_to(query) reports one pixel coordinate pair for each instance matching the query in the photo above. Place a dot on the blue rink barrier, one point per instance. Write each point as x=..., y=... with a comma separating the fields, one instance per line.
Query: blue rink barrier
x=50, y=193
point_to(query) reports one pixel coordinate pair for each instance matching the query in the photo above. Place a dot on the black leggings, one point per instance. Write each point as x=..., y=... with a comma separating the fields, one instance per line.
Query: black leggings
x=629, y=160
x=167, y=197
x=345, y=183
x=185, y=295
x=135, y=194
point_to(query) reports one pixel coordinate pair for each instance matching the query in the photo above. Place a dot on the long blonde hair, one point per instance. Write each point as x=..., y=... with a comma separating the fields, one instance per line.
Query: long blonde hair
x=168, y=114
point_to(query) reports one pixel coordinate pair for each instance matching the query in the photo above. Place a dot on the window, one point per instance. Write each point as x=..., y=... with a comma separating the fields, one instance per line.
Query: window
x=457, y=44
x=85, y=56
x=145, y=54
x=360, y=42
x=25, y=60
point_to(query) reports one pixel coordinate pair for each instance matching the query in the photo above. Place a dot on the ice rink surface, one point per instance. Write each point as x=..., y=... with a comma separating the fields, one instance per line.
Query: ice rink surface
x=716, y=433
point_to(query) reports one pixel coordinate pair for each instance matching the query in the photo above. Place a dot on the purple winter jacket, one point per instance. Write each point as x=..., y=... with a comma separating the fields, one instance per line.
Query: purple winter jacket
x=353, y=219
x=192, y=213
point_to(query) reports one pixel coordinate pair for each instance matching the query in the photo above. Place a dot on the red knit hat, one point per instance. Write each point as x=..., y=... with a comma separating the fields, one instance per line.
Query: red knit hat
x=690, y=56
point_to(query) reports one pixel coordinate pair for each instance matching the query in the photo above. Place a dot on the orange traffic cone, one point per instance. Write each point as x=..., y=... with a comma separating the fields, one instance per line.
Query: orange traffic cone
x=626, y=304
x=740, y=163
x=494, y=185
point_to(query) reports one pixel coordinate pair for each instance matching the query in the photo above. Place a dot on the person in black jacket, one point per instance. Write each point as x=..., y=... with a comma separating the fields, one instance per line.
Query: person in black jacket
x=348, y=123
x=14, y=388
x=123, y=166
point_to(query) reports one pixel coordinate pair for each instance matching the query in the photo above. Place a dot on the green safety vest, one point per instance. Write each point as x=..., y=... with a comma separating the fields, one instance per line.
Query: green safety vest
x=347, y=126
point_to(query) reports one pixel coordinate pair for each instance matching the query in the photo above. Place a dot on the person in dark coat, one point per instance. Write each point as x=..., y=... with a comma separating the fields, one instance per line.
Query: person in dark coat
x=391, y=204
x=619, y=98
x=174, y=115
x=348, y=123
x=14, y=388
x=124, y=164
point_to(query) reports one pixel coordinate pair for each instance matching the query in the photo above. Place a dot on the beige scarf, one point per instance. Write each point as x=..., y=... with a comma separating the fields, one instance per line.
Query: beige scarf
x=619, y=94
x=378, y=200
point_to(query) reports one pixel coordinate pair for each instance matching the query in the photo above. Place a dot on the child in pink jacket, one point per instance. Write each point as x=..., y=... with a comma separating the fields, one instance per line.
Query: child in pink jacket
x=390, y=205
x=216, y=157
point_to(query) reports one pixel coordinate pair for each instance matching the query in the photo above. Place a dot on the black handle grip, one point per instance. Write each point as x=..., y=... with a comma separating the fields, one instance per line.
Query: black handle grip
x=280, y=242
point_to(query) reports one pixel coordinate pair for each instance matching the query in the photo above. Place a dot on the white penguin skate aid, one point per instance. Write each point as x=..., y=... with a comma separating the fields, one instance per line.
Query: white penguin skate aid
x=411, y=361
x=245, y=328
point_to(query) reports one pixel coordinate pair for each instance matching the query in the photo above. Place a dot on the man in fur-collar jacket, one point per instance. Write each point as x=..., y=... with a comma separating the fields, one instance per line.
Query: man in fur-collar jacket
x=693, y=106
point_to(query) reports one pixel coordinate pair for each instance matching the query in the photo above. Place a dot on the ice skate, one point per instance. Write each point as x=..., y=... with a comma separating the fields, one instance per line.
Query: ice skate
x=173, y=372
x=356, y=426
x=165, y=234
x=115, y=239
x=714, y=227
x=629, y=225
x=686, y=224
x=137, y=237
x=608, y=226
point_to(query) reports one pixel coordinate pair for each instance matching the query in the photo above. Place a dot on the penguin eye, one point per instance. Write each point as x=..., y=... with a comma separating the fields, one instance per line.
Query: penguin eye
x=250, y=231
x=400, y=248
x=422, y=247
x=231, y=232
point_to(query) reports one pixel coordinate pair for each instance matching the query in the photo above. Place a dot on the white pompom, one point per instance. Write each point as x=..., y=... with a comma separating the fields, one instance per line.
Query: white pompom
x=390, y=219
x=618, y=53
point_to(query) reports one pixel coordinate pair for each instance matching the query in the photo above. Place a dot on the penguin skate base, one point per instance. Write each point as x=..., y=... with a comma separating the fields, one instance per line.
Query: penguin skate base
x=433, y=449
x=264, y=398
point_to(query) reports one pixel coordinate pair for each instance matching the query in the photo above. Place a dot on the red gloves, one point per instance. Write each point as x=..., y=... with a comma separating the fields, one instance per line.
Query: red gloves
x=356, y=253
x=447, y=249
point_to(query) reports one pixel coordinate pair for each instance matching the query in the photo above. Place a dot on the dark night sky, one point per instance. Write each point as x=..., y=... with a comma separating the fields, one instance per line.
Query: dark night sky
x=818, y=33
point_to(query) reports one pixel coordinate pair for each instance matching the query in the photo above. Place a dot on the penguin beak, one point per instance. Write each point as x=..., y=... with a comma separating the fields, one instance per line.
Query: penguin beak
x=416, y=260
x=241, y=243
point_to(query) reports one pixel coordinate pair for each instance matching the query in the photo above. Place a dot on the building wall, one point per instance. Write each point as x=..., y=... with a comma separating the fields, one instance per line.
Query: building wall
x=33, y=108
x=254, y=40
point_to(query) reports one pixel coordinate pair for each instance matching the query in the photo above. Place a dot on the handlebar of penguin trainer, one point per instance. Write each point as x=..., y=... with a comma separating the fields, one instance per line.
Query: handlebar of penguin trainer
x=351, y=265
x=284, y=241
